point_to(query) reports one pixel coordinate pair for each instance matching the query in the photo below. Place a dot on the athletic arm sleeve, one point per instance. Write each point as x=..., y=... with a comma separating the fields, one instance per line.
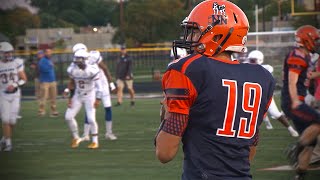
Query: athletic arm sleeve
x=180, y=95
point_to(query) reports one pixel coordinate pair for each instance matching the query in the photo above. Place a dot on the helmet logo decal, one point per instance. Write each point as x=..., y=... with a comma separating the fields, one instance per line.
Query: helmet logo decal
x=244, y=40
x=219, y=14
x=219, y=9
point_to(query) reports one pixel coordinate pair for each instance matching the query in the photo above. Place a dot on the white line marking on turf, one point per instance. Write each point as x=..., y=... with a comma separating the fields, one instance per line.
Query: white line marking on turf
x=67, y=149
x=284, y=168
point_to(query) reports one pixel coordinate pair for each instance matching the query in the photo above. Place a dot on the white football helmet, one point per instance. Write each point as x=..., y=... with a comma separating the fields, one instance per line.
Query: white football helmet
x=80, y=58
x=6, y=50
x=79, y=46
x=256, y=57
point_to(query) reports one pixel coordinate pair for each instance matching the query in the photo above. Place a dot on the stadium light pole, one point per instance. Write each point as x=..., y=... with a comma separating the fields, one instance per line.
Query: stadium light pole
x=257, y=26
x=121, y=22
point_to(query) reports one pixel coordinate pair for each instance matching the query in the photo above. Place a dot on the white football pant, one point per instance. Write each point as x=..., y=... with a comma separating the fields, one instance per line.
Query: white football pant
x=9, y=108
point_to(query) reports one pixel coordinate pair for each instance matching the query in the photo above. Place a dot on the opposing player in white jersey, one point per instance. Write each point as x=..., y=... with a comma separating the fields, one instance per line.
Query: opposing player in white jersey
x=12, y=76
x=87, y=92
x=180, y=53
x=257, y=57
x=105, y=77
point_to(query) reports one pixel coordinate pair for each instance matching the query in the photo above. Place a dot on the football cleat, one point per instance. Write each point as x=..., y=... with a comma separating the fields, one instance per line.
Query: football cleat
x=293, y=132
x=54, y=114
x=269, y=126
x=110, y=136
x=93, y=145
x=75, y=142
x=300, y=176
x=85, y=138
x=8, y=148
x=268, y=123
x=2, y=145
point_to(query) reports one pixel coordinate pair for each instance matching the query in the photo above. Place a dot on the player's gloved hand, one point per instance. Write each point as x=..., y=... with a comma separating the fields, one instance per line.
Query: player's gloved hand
x=11, y=89
x=69, y=104
x=66, y=93
x=96, y=103
x=113, y=87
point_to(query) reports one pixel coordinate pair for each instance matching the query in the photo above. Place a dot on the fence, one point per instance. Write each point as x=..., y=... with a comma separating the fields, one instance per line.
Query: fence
x=149, y=61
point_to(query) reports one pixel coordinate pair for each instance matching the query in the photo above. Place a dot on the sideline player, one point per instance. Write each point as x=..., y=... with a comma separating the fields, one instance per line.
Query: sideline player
x=12, y=77
x=257, y=57
x=296, y=79
x=214, y=105
x=88, y=91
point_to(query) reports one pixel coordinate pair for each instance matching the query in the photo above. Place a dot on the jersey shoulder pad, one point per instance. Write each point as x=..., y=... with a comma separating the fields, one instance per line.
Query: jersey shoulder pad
x=71, y=68
x=19, y=63
x=94, y=57
x=92, y=69
x=298, y=53
x=177, y=64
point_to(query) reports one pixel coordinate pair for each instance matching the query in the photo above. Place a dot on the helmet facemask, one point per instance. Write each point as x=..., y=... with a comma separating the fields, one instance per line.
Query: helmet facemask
x=316, y=48
x=191, y=36
x=80, y=62
x=7, y=56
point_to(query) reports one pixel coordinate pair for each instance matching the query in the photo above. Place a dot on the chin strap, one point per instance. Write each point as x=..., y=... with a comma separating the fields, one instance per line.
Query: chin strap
x=224, y=41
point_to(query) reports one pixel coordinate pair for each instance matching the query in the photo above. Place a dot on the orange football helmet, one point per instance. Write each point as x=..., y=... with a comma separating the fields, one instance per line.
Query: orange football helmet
x=221, y=25
x=309, y=37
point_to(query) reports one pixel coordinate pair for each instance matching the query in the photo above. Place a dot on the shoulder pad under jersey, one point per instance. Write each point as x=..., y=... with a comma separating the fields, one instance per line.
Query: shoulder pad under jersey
x=94, y=57
x=268, y=67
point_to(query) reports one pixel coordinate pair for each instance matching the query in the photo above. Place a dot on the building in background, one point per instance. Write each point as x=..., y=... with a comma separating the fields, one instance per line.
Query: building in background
x=65, y=38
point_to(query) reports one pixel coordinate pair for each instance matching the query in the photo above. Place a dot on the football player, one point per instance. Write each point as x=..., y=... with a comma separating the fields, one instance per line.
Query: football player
x=180, y=53
x=12, y=77
x=105, y=77
x=87, y=92
x=212, y=104
x=296, y=78
x=257, y=57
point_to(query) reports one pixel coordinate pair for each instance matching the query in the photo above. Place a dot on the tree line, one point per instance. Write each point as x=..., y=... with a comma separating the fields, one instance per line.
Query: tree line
x=143, y=21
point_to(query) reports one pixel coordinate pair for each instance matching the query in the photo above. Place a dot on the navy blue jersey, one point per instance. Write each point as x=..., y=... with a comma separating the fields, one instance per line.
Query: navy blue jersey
x=297, y=62
x=225, y=102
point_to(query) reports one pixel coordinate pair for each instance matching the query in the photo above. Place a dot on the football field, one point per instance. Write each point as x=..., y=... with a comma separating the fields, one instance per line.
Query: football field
x=42, y=148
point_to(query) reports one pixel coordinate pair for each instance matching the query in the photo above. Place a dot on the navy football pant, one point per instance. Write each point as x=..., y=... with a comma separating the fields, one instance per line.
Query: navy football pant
x=302, y=117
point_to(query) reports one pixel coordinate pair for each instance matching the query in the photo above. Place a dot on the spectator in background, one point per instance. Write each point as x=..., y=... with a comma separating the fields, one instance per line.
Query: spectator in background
x=35, y=73
x=48, y=85
x=124, y=76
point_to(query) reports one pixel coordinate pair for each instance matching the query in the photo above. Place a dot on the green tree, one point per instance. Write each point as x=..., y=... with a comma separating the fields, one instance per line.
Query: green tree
x=152, y=21
x=74, y=17
x=14, y=22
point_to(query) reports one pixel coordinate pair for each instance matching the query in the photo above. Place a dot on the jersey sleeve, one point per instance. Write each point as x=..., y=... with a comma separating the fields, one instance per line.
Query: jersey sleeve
x=20, y=64
x=179, y=91
x=296, y=64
